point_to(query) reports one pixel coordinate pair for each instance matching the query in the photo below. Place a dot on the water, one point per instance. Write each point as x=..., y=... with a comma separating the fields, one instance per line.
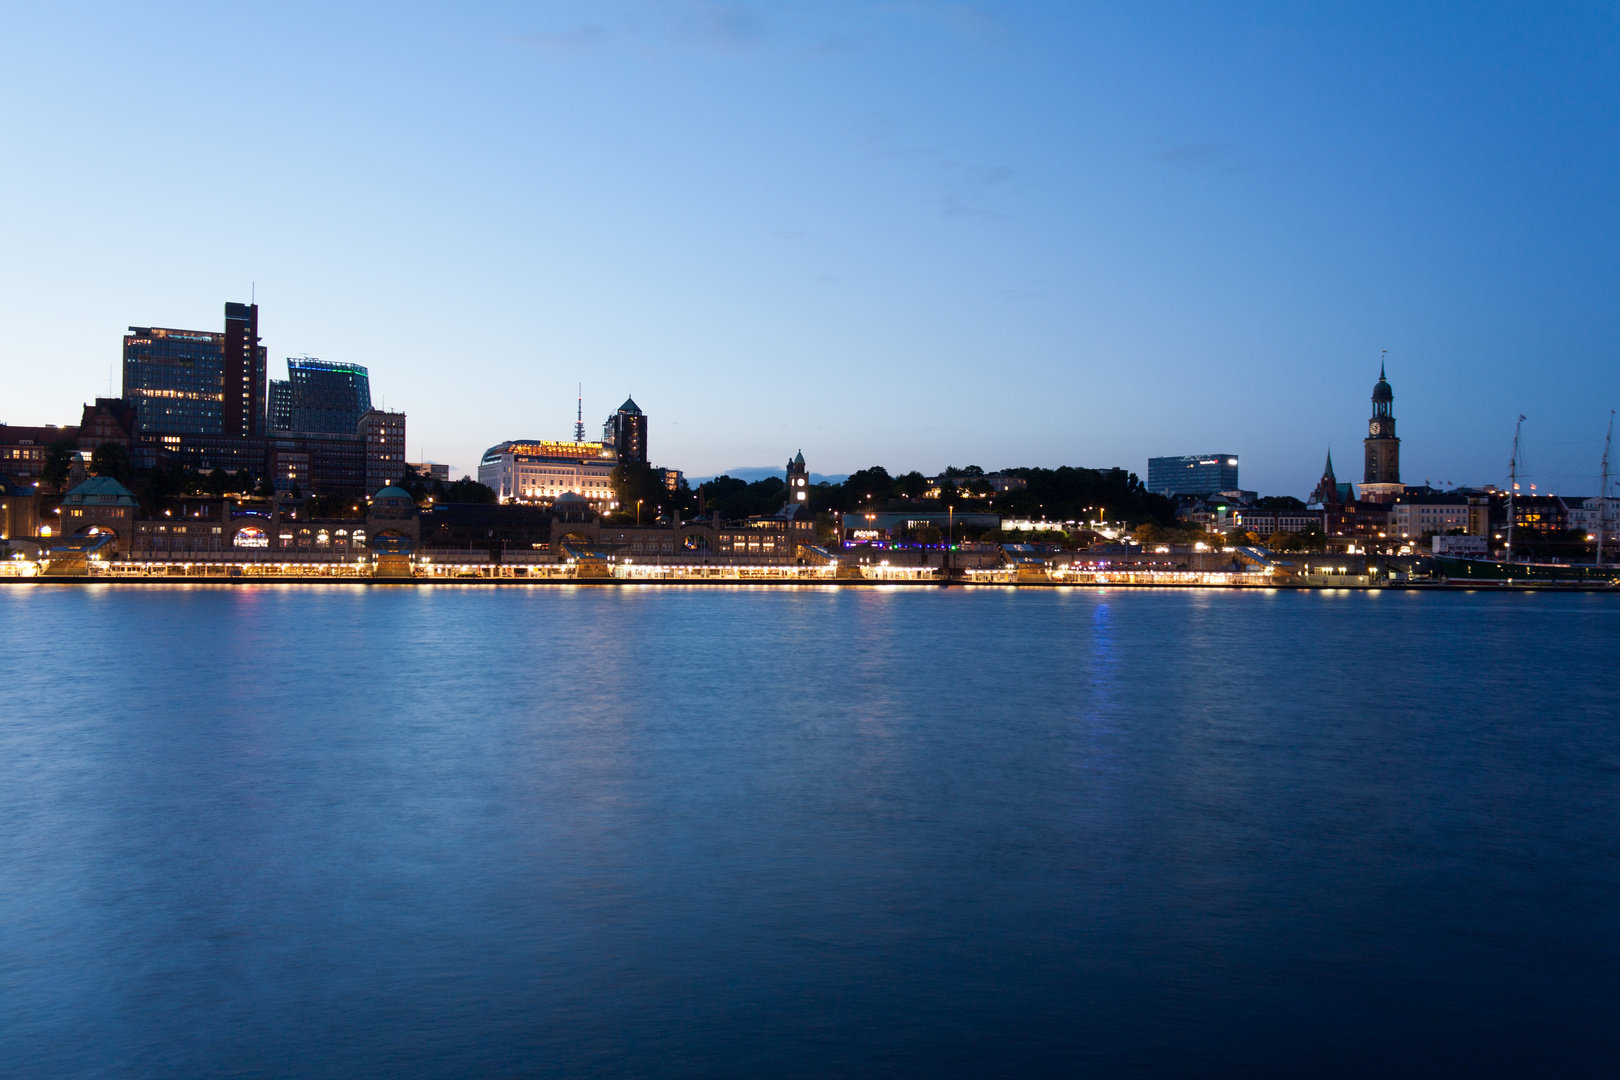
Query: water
x=469, y=832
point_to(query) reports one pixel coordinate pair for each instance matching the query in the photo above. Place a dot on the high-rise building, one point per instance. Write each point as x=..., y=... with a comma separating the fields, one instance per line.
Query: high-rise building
x=197, y=382
x=279, y=407
x=174, y=379
x=1381, y=480
x=202, y=400
x=1193, y=474
x=626, y=432
x=245, y=370
x=327, y=398
x=384, y=433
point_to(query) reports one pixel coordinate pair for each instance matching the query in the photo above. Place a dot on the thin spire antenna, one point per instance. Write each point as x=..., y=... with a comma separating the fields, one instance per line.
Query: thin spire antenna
x=579, y=416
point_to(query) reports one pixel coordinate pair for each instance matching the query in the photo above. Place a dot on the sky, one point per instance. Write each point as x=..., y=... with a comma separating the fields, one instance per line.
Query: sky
x=911, y=234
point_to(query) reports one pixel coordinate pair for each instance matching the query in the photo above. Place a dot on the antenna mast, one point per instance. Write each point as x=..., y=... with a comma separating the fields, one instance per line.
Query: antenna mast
x=1513, y=484
x=1603, y=492
x=579, y=420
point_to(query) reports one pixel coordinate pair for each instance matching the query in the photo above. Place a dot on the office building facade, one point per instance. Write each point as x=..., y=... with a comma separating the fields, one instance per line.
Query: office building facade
x=1193, y=474
x=278, y=407
x=384, y=435
x=198, y=382
x=175, y=379
x=326, y=397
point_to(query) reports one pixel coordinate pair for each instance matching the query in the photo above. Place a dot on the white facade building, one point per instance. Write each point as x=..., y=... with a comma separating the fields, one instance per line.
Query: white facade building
x=1414, y=515
x=1591, y=514
x=538, y=471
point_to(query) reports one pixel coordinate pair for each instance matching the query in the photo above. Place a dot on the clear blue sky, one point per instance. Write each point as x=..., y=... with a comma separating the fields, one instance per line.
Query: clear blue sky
x=912, y=234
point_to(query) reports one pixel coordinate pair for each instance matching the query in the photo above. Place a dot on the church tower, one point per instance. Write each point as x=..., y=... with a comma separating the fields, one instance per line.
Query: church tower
x=1381, y=480
x=1327, y=488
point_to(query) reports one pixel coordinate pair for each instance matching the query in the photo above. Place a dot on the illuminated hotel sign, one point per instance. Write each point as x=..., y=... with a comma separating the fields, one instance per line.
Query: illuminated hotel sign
x=546, y=448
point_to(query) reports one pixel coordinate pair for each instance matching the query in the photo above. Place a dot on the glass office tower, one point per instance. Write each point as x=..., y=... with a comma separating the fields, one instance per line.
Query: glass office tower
x=327, y=398
x=1193, y=474
x=197, y=382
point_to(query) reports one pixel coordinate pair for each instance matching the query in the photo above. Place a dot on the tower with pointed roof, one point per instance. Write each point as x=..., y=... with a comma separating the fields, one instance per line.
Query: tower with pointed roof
x=1327, y=491
x=798, y=480
x=795, y=515
x=626, y=432
x=1381, y=479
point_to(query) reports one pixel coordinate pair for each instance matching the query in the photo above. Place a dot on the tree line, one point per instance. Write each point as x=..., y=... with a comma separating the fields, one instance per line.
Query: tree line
x=1062, y=494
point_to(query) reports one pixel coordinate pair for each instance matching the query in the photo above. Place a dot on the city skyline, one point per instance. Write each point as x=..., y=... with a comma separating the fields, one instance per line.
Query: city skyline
x=895, y=236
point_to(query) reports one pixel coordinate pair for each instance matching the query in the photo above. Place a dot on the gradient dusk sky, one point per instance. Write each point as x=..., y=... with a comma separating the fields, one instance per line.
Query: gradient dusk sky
x=911, y=234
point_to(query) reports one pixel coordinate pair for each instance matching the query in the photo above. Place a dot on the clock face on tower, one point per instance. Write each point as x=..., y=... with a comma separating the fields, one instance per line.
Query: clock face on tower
x=1376, y=427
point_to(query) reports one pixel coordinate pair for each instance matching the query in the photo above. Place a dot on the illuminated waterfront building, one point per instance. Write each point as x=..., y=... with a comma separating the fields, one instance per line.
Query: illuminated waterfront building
x=1193, y=474
x=895, y=525
x=101, y=505
x=540, y=470
x=19, y=510
x=1263, y=521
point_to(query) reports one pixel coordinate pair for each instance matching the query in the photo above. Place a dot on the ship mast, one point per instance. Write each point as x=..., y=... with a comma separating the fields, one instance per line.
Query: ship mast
x=1513, y=484
x=1603, y=491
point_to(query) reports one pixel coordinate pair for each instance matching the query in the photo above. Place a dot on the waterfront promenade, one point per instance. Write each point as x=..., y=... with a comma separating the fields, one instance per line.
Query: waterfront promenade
x=776, y=577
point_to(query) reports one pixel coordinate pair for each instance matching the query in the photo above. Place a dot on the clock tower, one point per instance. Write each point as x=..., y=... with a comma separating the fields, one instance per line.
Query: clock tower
x=798, y=478
x=1382, y=477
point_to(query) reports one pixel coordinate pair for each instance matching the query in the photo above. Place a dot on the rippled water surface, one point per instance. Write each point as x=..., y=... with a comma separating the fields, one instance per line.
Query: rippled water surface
x=346, y=831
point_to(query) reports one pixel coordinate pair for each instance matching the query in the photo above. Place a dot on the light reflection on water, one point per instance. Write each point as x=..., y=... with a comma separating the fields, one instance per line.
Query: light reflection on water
x=338, y=830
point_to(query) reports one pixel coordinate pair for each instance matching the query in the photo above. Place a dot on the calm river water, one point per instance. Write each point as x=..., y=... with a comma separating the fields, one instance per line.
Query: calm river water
x=474, y=832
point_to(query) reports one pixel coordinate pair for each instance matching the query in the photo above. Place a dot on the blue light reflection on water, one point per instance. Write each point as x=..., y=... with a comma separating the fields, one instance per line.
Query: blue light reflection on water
x=463, y=832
